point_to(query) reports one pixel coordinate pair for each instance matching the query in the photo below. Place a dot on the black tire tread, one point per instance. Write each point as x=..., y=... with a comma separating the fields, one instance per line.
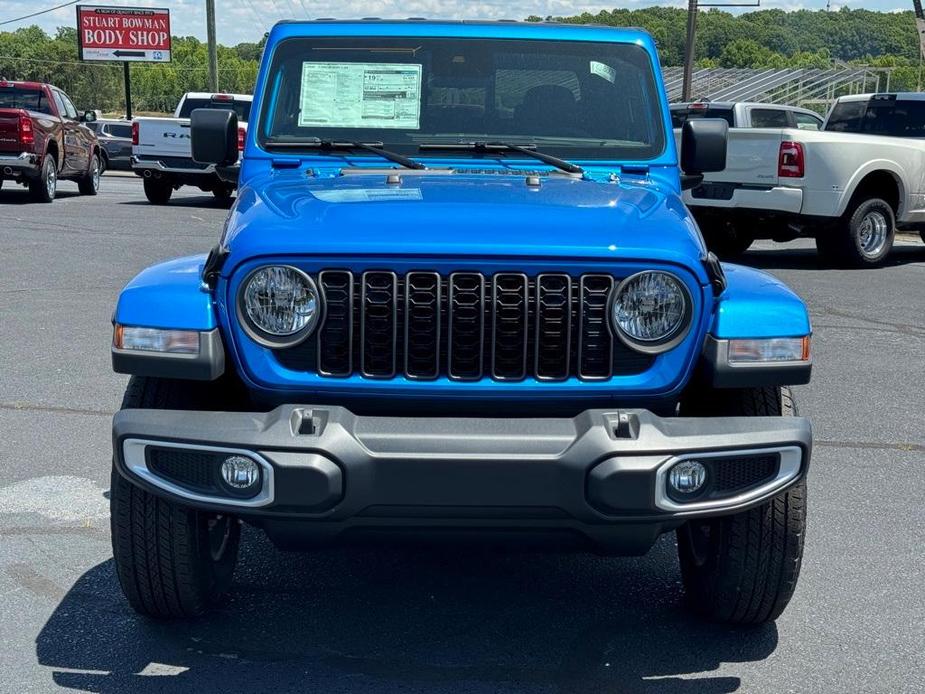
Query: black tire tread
x=726, y=239
x=752, y=571
x=161, y=561
x=157, y=191
x=85, y=183
x=37, y=188
x=841, y=246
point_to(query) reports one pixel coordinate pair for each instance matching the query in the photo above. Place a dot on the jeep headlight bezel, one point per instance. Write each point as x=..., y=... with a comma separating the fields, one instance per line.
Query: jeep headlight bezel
x=274, y=286
x=679, y=308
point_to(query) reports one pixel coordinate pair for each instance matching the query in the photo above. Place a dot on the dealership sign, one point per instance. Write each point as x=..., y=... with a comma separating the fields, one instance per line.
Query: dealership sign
x=121, y=33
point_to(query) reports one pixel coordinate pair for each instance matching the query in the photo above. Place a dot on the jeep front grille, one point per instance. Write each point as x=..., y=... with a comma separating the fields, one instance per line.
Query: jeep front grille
x=465, y=326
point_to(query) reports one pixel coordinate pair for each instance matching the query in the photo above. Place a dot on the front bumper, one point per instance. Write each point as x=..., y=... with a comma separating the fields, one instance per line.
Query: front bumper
x=328, y=474
x=24, y=164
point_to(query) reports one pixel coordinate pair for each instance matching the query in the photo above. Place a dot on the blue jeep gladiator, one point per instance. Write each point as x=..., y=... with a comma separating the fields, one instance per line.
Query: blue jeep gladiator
x=459, y=297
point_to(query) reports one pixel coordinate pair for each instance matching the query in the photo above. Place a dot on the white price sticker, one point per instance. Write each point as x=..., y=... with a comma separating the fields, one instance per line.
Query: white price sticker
x=360, y=95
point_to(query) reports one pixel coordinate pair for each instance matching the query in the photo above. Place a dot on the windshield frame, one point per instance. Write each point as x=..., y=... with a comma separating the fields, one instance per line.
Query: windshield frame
x=658, y=152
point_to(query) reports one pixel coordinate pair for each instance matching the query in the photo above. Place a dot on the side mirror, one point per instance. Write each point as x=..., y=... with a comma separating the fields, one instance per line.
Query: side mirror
x=88, y=117
x=214, y=136
x=703, y=149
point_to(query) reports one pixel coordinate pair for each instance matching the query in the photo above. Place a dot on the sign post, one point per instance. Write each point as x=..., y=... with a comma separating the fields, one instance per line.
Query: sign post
x=124, y=34
x=126, y=77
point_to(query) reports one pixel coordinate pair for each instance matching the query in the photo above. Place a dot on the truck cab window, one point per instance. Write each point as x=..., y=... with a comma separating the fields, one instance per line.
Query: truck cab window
x=846, y=117
x=805, y=121
x=769, y=118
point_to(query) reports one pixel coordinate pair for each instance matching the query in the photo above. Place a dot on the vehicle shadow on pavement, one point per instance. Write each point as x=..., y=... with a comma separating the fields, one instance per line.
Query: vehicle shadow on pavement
x=808, y=259
x=207, y=200
x=380, y=620
x=17, y=195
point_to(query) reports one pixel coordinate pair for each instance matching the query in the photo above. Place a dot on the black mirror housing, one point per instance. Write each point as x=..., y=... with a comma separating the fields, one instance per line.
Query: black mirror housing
x=703, y=145
x=214, y=136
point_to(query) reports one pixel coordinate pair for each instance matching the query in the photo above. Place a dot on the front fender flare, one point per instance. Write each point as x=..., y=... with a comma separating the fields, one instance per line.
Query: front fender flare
x=756, y=304
x=168, y=295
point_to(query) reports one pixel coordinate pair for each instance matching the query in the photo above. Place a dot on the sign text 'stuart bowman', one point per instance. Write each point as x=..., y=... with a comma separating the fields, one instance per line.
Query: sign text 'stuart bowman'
x=125, y=34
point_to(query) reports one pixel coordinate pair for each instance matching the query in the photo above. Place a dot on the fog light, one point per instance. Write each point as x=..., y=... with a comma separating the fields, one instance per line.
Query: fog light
x=240, y=473
x=687, y=476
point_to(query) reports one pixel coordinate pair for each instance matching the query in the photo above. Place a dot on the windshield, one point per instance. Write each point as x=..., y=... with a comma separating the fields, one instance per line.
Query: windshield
x=571, y=99
x=242, y=108
x=889, y=117
x=28, y=99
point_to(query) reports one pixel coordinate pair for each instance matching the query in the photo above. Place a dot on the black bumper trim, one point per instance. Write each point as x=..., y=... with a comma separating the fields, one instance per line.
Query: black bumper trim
x=461, y=471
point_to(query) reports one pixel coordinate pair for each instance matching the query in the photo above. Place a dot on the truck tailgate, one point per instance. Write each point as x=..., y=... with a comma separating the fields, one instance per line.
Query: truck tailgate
x=9, y=130
x=751, y=157
x=168, y=137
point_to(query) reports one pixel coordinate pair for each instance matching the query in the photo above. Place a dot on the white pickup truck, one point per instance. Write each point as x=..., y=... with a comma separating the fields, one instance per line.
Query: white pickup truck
x=849, y=186
x=746, y=114
x=161, y=148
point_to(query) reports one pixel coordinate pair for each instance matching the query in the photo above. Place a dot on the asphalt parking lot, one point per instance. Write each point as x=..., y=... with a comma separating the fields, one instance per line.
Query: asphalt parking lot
x=439, y=621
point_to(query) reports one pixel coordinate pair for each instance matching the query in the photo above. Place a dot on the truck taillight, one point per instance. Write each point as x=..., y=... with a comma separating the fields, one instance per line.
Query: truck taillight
x=241, y=133
x=791, y=163
x=26, y=133
x=134, y=132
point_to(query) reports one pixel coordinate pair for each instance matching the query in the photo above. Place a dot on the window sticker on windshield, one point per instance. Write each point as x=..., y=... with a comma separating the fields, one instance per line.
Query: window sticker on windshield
x=603, y=70
x=360, y=95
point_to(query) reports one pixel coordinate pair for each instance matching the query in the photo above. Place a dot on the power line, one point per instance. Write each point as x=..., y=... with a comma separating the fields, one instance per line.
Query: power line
x=36, y=14
x=254, y=12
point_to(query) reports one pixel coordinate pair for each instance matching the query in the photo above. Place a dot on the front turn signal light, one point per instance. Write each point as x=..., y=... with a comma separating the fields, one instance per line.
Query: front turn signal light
x=155, y=340
x=769, y=350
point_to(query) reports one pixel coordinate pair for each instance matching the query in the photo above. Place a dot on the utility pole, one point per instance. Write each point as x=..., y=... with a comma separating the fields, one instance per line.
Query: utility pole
x=920, y=28
x=692, y=7
x=213, y=51
x=126, y=77
x=689, y=50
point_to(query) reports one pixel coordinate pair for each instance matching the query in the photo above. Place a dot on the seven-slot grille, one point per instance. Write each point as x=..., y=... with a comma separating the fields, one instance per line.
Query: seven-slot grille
x=465, y=326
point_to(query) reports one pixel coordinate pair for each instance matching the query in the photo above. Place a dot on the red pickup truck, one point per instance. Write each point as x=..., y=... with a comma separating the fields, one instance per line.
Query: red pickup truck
x=43, y=140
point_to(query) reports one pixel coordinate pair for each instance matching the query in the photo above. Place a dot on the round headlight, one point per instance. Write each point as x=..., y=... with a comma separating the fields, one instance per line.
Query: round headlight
x=280, y=304
x=651, y=311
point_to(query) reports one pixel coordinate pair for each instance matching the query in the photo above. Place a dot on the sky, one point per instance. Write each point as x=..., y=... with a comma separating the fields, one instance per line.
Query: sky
x=247, y=20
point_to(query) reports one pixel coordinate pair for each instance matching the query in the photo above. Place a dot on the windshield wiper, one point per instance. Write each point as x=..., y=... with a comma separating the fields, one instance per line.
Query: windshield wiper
x=336, y=146
x=489, y=147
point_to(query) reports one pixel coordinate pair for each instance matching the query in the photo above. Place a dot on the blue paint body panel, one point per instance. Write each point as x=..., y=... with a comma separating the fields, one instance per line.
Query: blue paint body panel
x=459, y=215
x=621, y=217
x=168, y=295
x=756, y=304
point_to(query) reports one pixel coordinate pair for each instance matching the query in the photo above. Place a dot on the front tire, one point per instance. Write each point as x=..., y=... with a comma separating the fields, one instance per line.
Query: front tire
x=158, y=190
x=45, y=187
x=172, y=561
x=90, y=184
x=743, y=568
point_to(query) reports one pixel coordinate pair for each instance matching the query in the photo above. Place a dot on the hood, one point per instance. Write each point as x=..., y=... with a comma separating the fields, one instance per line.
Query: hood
x=458, y=215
